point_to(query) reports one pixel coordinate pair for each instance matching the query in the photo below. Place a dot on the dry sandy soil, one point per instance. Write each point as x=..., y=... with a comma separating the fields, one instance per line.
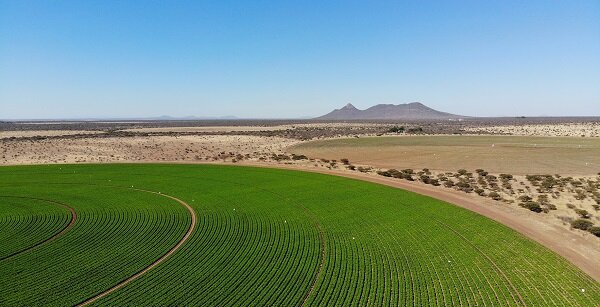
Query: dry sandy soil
x=33, y=133
x=566, y=129
x=139, y=149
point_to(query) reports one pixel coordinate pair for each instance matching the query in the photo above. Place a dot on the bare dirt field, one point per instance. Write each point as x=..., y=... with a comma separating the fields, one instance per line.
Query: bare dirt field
x=496, y=154
x=42, y=133
x=140, y=149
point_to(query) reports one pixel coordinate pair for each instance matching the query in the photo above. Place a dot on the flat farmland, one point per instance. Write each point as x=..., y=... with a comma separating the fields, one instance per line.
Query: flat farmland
x=518, y=155
x=224, y=235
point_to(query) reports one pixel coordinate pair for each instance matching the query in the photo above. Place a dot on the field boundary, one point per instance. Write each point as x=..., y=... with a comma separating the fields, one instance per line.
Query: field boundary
x=157, y=261
x=58, y=234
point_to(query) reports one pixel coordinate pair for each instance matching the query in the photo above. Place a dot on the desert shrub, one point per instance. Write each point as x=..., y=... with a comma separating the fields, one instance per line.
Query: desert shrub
x=426, y=171
x=363, y=169
x=384, y=173
x=506, y=176
x=583, y=213
x=299, y=157
x=415, y=130
x=480, y=191
x=490, y=178
x=280, y=157
x=596, y=207
x=408, y=171
x=570, y=206
x=580, y=194
x=532, y=206
x=463, y=184
x=595, y=230
x=351, y=167
x=462, y=171
x=345, y=161
x=448, y=183
x=582, y=224
x=407, y=177
x=396, y=129
x=494, y=196
x=434, y=182
x=479, y=171
x=525, y=198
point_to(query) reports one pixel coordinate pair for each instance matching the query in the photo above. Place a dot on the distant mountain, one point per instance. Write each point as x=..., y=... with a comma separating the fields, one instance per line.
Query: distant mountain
x=414, y=110
x=167, y=117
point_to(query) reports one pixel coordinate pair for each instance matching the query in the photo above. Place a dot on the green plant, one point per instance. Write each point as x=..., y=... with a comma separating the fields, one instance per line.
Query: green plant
x=582, y=224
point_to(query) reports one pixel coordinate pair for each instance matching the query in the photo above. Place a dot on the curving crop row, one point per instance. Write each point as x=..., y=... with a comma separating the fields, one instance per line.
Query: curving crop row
x=28, y=222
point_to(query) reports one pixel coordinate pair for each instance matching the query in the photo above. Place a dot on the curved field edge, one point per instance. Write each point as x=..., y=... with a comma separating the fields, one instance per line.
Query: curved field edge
x=384, y=245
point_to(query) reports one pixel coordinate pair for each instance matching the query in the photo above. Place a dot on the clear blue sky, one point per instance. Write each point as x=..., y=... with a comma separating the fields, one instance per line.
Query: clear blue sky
x=281, y=59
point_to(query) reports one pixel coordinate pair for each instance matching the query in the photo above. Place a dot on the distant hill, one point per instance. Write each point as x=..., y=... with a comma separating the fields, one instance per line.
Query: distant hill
x=414, y=110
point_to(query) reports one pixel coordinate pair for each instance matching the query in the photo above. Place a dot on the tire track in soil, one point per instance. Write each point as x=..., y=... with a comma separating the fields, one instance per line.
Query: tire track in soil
x=157, y=261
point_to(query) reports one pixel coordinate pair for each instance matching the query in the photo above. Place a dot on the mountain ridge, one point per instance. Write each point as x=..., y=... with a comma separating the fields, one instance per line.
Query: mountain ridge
x=413, y=110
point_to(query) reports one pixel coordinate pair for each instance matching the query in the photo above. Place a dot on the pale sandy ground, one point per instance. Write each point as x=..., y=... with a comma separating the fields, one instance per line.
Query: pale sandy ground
x=253, y=128
x=579, y=247
x=566, y=129
x=208, y=129
x=139, y=149
x=31, y=133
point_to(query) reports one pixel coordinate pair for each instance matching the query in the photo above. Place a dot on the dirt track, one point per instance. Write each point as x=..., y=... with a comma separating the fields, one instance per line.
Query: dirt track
x=157, y=261
x=58, y=234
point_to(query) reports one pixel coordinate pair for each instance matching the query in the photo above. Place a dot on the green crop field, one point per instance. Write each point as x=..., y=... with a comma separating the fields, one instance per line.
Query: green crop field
x=261, y=237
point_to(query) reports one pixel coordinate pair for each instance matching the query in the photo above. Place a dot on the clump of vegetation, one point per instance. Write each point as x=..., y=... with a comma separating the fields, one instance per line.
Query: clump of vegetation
x=595, y=230
x=532, y=206
x=449, y=183
x=363, y=169
x=415, y=130
x=345, y=161
x=583, y=213
x=280, y=157
x=299, y=157
x=397, y=129
x=506, y=176
x=494, y=196
x=582, y=224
